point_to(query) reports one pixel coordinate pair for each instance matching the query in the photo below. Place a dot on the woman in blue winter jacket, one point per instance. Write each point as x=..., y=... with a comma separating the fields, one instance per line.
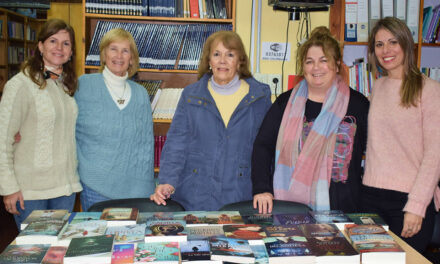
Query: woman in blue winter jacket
x=205, y=162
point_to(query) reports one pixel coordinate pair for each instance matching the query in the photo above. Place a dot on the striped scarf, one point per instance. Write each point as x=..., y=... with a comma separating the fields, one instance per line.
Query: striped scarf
x=303, y=175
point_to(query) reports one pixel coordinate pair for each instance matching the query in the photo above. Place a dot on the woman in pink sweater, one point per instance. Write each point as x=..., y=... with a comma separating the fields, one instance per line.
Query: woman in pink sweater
x=403, y=148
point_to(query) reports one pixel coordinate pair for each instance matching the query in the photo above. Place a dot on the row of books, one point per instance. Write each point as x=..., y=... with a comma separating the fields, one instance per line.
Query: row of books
x=15, y=30
x=361, y=78
x=1, y=28
x=431, y=24
x=15, y=54
x=361, y=15
x=159, y=44
x=433, y=73
x=159, y=142
x=161, y=8
x=167, y=101
x=152, y=86
x=229, y=239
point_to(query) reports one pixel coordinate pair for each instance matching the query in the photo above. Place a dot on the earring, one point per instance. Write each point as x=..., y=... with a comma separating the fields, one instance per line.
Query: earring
x=210, y=68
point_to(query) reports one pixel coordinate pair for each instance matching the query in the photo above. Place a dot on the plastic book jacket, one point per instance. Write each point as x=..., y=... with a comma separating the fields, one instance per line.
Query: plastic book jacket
x=54, y=255
x=24, y=253
x=157, y=251
x=123, y=253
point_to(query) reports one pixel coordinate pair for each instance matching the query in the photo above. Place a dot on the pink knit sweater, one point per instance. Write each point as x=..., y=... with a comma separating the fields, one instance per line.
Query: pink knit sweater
x=403, y=148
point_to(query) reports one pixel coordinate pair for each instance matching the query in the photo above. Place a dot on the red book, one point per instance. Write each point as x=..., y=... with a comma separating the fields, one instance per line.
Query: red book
x=293, y=80
x=194, y=8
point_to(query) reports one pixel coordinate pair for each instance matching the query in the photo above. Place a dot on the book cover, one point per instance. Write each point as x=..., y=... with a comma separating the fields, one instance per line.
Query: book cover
x=331, y=217
x=247, y=232
x=40, y=231
x=293, y=219
x=288, y=249
x=147, y=216
x=223, y=217
x=191, y=217
x=44, y=215
x=85, y=246
x=367, y=219
x=82, y=229
x=157, y=251
x=54, y=255
x=76, y=217
x=354, y=229
x=195, y=250
x=231, y=249
x=260, y=254
x=204, y=232
x=283, y=231
x=120, y=216
x=165, y=230
x=259, y=219
x=123, y=253
x=24, y=253
x=127, y=234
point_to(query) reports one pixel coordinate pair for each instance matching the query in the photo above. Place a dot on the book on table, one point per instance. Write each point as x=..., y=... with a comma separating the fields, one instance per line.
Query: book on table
x=76, y=217
x=159, y=252
x=81, y=229
x=260, y=254
x=367, y=219
x=120, y=216
x=165, y=231
x=289, y=249
x=231, y=250
x=44, y=215
x=283, y=231
x=293, y=219
x=195, y=250
x=248, y=232
x=259, y=219
x=336, y=217
x=54, y=255
x=96, y=249
x=22, y=254
x=128, y=233
x=41, y=232
x=123, y=254
x=204, y=232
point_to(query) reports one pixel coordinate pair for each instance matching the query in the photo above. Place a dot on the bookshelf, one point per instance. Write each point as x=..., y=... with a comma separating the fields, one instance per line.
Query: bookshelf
x=171, y=78
x=17, y=42
x=424, y=51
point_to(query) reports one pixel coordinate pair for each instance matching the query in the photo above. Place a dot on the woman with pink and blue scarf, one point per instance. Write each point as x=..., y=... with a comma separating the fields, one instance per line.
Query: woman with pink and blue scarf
x=310, y=145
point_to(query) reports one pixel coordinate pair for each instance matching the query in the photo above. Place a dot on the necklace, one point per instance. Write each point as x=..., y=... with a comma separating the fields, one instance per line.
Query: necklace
x=120, y=99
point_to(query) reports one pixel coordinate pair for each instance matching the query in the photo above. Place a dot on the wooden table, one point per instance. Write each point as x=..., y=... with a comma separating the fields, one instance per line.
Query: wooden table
x=412, y=256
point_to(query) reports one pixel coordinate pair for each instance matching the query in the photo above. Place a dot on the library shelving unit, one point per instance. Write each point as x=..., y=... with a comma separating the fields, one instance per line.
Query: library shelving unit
x=17, y=42
x=424, y=51
x=173, y=78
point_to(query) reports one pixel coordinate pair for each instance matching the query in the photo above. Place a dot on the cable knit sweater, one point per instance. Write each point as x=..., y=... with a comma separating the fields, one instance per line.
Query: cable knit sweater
x=115, y=147
x=43, y=164
x=403, y=147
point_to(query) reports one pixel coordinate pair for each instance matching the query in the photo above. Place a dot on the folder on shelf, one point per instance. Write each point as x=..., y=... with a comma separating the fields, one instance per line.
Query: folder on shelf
x=351, y=20
x=387, y=8
x=362, y=21
x=374, y=13
x=412, y=18
x=400, y=9
x=194, y=8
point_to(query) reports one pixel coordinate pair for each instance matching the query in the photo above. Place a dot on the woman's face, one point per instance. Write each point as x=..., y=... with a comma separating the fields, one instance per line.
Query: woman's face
x=118, y=57
x=224, y=63
x=389, y=53
x=319, y=72
x=56, y=49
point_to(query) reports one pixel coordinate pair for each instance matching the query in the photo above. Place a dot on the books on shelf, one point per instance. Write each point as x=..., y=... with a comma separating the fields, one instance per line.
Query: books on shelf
x=84, y=250
x=152, y=86
x=159, y=142
x=54, y=255
x=167, y=103
x=431, y=24
x=167, y=252
x=231, y=250
x=123, y=254
x=22, y=254
x=40, y=232
x=120, y=216
x=165, y=231
x=44, y=215
x=361, y=78
x=433, y=73
x=128, y=233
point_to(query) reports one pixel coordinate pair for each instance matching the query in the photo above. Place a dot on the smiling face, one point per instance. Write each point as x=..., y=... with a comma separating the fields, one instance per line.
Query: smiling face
x=389, y=53
x=224, y=63
x=56, y=49
x=118, y=57
x=318, y=71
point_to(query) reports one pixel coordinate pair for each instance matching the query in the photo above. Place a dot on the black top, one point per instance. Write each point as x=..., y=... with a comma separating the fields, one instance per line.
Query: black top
x=351, y=141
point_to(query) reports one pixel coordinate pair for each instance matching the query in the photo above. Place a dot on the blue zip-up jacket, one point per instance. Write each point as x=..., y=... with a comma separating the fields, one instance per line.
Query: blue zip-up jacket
x=209, y=164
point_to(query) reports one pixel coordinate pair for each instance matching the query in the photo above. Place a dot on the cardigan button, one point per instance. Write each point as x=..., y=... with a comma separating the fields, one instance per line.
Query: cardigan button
x=189, y=100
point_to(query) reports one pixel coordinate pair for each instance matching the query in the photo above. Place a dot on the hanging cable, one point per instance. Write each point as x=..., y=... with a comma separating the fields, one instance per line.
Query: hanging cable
x=285, y=53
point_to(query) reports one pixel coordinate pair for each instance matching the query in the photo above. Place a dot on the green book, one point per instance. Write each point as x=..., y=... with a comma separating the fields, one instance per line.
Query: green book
x=24, y=253
x=97, y=249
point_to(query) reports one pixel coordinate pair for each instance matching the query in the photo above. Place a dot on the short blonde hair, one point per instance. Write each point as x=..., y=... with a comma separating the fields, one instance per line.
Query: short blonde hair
x=116, y=35
x=230, y=40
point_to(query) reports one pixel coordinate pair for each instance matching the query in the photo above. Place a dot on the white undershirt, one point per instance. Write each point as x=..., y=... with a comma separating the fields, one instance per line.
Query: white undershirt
x=116, y=85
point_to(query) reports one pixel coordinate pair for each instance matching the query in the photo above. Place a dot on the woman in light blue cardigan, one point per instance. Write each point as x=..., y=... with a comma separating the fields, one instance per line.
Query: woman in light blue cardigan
x=114, y=130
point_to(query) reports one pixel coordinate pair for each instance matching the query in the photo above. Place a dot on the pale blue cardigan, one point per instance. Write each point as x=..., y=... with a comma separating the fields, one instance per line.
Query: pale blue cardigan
x=115, y=147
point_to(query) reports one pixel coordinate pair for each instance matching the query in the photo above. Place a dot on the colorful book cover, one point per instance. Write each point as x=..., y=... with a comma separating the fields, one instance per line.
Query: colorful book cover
x=158, y=251
x=195, y=250
x=247, y=232
x=165, y=230
x=231, y=249
x=371, y=238
x=287, y=246
x=127, y=234
x=44, y=215
x=354, y=229
x=204, y=232
x=293, y=219
x=260, y=254
x=119, y=214
x=259, y=219
x=191, y=217
x=47, y=228
x=330, y=216
x=366, y=219
x=283, y=231
x=85, y=246
x=76, y=217
x=24, y=253
x=378, y=247
x=223, y=218
x=147, y=216
x=123, y=253
x=55, y=255
x=83, y=229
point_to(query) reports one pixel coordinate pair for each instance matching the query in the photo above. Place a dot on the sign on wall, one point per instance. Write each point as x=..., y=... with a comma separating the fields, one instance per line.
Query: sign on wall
x=275, y=51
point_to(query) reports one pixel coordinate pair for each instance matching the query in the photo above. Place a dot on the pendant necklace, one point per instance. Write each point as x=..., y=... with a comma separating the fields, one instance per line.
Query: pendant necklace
x=120, y=99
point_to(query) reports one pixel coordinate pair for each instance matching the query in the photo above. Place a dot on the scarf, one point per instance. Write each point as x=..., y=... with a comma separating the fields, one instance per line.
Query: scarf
x=303, y=175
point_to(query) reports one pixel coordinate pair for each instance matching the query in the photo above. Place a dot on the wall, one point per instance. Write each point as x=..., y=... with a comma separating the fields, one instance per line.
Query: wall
x=273, y=29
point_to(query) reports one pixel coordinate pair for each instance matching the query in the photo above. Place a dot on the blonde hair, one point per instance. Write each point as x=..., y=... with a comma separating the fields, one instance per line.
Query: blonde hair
x=320, y=37
x=412, y=82
x=230, y=40
x=116, y=35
